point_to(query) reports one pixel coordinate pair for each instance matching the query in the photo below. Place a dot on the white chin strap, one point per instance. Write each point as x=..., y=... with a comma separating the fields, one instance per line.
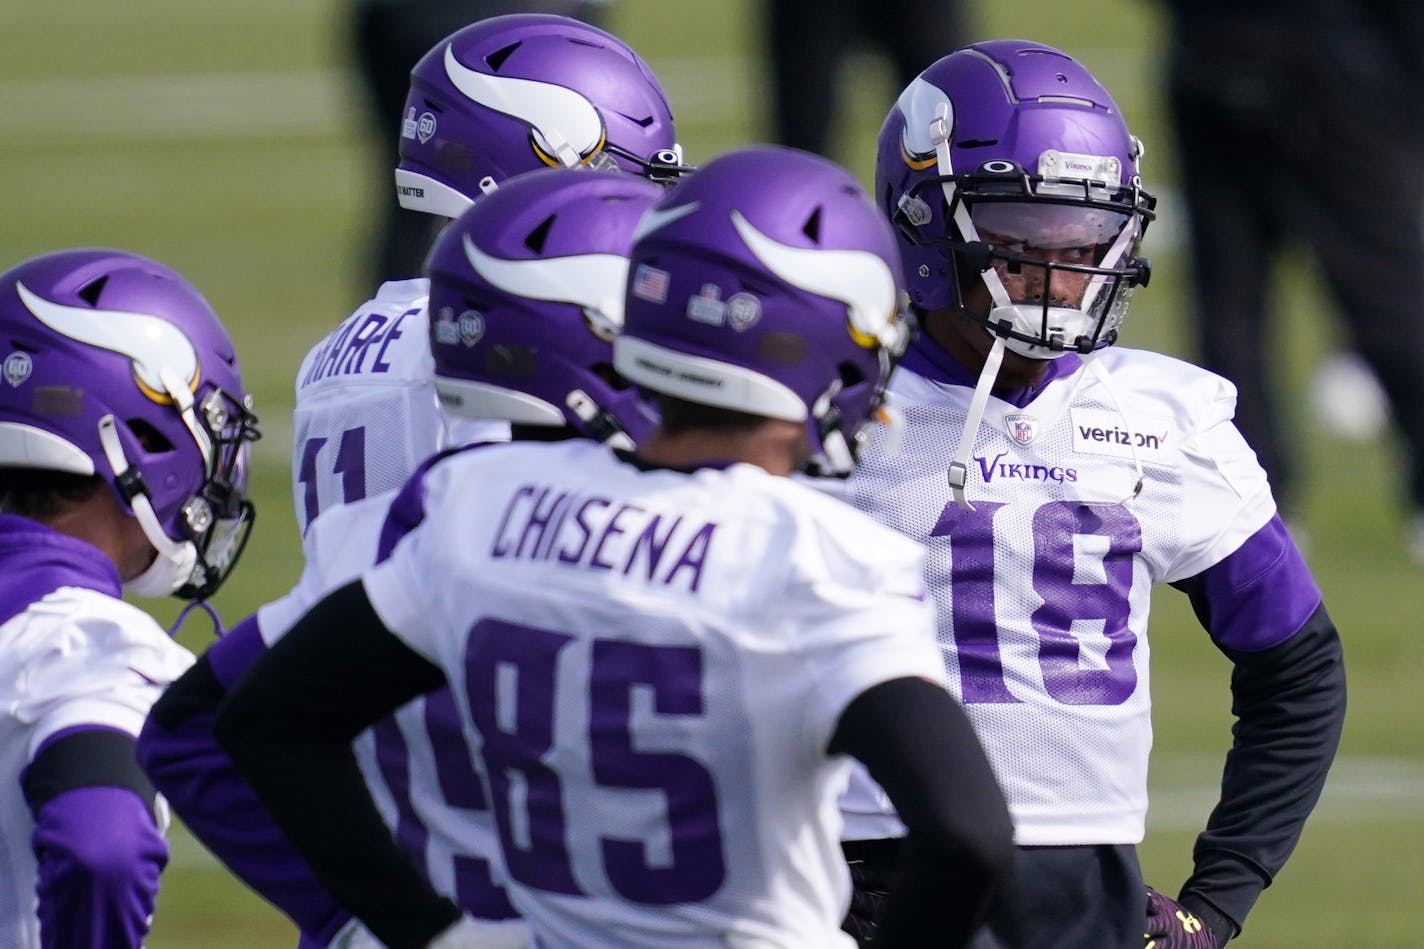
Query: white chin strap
x=582, y=405
x=959, y=467
x=175, y=560
x=559, y=147
x=835, y=457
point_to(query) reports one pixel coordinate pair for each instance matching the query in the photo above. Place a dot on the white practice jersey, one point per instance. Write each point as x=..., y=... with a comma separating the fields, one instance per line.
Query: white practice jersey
x=1042, y=591
x=650, y=665
x=76, y=657
x=414, y=763
x=366, y=411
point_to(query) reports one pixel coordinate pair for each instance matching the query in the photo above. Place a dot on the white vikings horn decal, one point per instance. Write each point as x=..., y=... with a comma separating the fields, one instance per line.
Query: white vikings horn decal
x=658, y=218
x=150, y=342
x=556, y=113
x=592, y=281
x=917, y=104
x=857, y=278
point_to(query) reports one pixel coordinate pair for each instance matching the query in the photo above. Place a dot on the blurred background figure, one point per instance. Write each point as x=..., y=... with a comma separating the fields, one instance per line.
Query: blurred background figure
x=389, y=37
x=1303, y=120
x=808, y=43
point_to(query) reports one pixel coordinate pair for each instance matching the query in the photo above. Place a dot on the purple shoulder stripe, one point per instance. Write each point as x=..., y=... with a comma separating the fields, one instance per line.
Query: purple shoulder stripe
x=99, y=856
x=35, y=561
x=1261, y=594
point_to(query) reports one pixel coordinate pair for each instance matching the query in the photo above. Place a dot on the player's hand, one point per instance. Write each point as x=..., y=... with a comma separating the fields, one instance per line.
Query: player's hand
x=1171, y=926
x=870, y=883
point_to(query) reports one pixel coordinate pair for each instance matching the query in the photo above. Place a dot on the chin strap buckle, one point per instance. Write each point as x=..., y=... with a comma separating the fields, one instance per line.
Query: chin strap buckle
x=958, y=477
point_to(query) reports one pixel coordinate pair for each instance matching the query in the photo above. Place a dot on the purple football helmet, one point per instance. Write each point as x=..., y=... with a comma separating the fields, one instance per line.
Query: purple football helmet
x=515, y=93
x=1006, y=159
x=767, y=283
x=115, y=366
x=526, y=297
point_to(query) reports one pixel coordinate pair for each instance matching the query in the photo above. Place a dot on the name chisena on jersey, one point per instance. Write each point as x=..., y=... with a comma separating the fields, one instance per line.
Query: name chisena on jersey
x=590, y=532
x=350, y=349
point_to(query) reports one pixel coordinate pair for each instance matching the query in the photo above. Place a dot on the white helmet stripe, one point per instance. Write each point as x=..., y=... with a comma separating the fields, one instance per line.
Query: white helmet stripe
x=152, y=343
x=593, y=281
x=557, y=113
x=859, y=279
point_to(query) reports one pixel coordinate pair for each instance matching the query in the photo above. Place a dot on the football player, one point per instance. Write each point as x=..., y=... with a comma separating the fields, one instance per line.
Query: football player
x=124, y=432
x=526, y=296
x=1053, y=479
x=664, y=658
x=503, y=96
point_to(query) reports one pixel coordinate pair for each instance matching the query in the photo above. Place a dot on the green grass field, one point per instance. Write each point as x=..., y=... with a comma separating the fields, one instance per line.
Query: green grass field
x=225, y=141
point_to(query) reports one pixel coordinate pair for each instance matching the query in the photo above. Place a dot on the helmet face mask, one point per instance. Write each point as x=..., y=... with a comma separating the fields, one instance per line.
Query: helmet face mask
x=133, y=378
x=1013, y=183
x=219, y=517
x=516, y=93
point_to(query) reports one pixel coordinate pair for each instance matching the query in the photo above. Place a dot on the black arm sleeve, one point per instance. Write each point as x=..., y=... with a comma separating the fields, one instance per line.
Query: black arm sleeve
x=90, y=757
x=1289, y=703
x=289, y=724
x=917, y=743
x=195, y=693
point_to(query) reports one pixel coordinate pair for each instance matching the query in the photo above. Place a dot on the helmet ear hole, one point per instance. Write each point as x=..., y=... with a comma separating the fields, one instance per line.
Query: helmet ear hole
x=153, y=441
x=606, y=372
x=850, y=374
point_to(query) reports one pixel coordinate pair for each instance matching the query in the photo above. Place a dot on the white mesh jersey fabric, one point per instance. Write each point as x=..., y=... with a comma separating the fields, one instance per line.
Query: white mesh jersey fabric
x=1042, y=592
x=652, y=724
x=366, y=411
x=75, y=657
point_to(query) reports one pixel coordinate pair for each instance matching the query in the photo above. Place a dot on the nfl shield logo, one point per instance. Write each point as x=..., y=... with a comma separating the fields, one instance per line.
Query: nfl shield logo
x=1022, y=428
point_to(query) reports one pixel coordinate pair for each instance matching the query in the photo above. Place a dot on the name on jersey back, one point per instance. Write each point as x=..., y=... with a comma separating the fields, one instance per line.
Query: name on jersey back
x=590, y=532
x=350, y=349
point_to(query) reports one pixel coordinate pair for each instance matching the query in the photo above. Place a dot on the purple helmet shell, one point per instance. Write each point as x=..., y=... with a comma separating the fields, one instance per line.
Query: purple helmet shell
x=1017, y=124
x=515, y=93
x=526, y=296
x=116, y=366
x=768, y=284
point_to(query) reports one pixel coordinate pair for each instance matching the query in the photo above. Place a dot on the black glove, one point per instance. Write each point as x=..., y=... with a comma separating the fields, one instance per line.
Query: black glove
x=872, y=866
x=1171, y=926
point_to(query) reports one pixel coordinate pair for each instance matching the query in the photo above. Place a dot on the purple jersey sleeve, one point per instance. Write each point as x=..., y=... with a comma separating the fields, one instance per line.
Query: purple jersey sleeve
x=183, y=760
x=99, y=855
x=1260, y=595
